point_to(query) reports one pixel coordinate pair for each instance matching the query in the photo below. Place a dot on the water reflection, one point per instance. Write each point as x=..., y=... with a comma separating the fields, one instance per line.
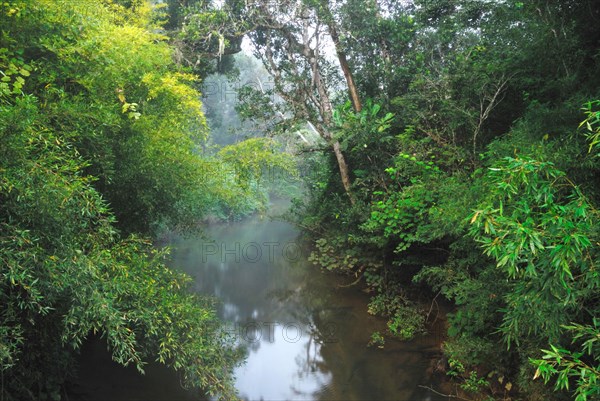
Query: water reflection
x=306, y=337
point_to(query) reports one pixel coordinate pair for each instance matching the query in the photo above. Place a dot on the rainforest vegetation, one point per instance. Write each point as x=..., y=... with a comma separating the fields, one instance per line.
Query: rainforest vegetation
x=449, y=151
x=101, y=136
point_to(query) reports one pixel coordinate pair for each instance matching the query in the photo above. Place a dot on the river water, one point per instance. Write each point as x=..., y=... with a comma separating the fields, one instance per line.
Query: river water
x=306, y=335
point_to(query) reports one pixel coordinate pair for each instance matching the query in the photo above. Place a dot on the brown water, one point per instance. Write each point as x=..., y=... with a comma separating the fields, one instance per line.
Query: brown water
x=306, y=336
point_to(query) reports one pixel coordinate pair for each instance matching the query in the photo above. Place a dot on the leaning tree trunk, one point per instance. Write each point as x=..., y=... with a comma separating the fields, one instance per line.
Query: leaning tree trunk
x=312, y=97
x=341, y=55
x=343, y=169
x=327, y=116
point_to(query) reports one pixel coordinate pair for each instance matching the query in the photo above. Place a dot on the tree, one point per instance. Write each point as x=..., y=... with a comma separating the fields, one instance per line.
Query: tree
x=324, y=8
x=97, y=123
x=291, y=48
x=449, y=89
x=377, y=37
x=474, y=104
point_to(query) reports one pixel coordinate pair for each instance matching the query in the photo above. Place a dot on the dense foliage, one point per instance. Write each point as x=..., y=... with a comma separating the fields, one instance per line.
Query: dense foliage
x=484, y=187
x=462, y=162
x=101, y=138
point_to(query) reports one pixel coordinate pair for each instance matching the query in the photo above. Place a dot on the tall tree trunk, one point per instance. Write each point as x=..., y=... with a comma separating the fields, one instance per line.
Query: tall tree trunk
x=313, y=94
x=341, y=55
x=326, y=111
x=343, y=169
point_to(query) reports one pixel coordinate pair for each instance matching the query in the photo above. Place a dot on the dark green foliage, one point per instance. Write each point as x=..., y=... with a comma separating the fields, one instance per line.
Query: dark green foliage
x=480, y=187
x=574, y=366
x=539, y=230
x=378, y=45
x=100, y=135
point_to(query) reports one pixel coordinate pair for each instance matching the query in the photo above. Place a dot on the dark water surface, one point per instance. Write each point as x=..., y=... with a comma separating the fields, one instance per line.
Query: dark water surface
x=306, y=336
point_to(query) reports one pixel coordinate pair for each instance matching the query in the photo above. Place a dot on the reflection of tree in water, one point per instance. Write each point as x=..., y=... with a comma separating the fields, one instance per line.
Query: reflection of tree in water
x=303, y=303
x=312, y=366
x=336, y=357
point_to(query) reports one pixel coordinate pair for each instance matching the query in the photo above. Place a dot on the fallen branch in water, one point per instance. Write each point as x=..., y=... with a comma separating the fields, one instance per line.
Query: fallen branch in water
x=351, y=284
x=445, y=395
x=431, y=308
x=359, y=273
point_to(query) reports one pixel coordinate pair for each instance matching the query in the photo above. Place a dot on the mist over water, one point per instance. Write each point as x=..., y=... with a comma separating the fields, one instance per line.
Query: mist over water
x=306, y=337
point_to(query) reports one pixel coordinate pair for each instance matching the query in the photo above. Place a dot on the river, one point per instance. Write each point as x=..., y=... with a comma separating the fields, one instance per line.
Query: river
x=306, y=335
